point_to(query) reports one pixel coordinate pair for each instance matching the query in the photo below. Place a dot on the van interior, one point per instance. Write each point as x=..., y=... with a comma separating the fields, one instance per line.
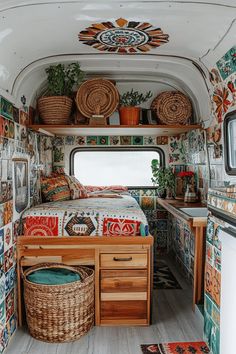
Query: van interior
x=117, y=176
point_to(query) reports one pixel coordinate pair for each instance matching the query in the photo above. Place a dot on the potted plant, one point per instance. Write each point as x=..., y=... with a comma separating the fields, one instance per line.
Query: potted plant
x=129, y=112
x=55, y=105
x=164, y=179
x=158, y=178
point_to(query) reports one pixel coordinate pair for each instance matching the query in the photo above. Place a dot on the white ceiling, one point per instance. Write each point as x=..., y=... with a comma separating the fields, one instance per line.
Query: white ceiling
x=35, y=33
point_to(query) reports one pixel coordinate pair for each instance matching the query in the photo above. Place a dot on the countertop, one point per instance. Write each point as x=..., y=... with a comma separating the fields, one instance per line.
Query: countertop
x=173, y=205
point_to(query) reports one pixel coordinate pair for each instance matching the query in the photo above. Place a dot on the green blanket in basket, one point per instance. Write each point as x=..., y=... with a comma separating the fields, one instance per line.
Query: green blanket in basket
x=53, y=276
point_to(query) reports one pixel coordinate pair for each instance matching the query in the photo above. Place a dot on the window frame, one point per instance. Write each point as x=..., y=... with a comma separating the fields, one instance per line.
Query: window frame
x=228, y=118
x=120, y=148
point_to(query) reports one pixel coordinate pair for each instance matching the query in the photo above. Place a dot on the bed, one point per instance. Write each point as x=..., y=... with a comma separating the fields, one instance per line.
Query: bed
x=114, y=215
x=118, y=247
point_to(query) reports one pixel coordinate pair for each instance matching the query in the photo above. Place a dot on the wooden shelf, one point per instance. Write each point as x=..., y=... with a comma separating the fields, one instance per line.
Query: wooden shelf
x=85, y=130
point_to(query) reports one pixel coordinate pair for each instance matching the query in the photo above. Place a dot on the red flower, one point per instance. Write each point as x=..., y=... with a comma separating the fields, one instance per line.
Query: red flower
x=186, y=174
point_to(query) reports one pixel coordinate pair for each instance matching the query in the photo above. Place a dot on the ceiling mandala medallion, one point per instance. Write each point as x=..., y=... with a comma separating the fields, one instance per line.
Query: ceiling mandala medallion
x=123, y=36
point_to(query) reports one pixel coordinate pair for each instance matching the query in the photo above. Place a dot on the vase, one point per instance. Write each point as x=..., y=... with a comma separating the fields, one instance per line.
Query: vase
x=190, y=195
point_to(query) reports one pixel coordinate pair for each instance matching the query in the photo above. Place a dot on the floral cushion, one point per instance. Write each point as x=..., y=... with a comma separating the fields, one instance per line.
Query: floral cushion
x=108, y=188
x=54, y=189
x=77, y=190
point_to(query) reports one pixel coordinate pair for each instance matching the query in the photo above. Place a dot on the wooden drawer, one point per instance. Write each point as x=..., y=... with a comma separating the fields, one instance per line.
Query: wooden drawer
x=113, y=281
x=123, y=260
x=121, y=310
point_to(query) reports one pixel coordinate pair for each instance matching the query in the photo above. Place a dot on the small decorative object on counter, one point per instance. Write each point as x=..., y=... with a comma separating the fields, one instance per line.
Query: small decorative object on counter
x=190, y=195
x=129, y=112
x=59, y=309
x=55, y=104
x=172, y=107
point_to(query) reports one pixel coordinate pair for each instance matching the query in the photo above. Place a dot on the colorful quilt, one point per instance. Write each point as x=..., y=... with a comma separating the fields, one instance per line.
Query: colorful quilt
x=91, y=216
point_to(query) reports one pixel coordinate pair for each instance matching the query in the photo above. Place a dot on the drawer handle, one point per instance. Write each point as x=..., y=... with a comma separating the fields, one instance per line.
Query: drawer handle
x=125, y=259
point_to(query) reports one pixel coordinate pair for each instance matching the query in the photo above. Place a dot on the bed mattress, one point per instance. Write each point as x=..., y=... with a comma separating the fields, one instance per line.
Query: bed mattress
x=92, y=216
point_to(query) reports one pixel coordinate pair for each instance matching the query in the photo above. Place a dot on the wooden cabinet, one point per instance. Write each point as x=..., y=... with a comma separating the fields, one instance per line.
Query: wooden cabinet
x=124, y=288
x=123, y=272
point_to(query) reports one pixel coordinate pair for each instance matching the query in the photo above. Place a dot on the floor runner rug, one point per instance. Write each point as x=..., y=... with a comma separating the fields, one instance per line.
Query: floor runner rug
x=163, y=278
x=176, y=348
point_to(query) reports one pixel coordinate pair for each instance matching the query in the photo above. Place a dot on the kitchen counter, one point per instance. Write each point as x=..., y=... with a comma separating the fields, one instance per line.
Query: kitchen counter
x=198, y=228
x=173, y=206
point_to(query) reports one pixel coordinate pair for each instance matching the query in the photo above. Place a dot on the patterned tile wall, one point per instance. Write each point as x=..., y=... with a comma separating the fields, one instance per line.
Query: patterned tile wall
x=181, y=245
x=212, y=286
x=15, y=141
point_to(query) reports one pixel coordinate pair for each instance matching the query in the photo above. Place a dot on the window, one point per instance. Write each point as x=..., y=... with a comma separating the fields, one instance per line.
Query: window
x=230, y=143
x=114, y=166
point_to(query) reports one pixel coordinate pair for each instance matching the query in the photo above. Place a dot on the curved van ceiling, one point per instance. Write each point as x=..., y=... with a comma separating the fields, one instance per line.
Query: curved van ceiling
x=173, y=42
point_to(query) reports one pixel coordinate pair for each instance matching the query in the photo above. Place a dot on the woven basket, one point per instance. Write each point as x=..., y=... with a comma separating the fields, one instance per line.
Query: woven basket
x=97, y=97
x=59, y=313
x=55, y=109
x=172, y=107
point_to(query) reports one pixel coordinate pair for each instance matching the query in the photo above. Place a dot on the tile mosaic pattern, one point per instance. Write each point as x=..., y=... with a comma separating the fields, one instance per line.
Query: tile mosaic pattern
x=15, y=140
x=181, y=244
x=212, y=286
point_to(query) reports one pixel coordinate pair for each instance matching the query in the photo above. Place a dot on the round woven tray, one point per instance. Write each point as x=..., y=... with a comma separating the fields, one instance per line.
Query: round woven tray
x=59, y=313
x=97, y=97
x=172, y=107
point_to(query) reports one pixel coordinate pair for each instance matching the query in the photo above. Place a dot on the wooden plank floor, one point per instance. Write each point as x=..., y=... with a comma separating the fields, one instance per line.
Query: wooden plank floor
x=173, y=320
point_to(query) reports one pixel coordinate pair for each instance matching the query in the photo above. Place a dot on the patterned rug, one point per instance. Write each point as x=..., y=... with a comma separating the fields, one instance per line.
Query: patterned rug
x=163, y=278
x=175, y=348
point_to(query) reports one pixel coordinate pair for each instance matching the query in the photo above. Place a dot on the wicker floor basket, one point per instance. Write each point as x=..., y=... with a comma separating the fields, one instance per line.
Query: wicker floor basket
x=59, y=313
x=55, y=109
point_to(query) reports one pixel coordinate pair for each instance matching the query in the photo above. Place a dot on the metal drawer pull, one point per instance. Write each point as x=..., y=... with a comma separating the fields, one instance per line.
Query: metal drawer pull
x=127, y=259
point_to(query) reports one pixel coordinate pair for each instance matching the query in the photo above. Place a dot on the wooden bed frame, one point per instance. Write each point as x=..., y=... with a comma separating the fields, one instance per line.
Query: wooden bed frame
x=123, y=271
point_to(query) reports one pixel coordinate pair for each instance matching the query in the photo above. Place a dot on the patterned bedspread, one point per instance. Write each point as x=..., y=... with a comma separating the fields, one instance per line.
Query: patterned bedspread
x=91, y=216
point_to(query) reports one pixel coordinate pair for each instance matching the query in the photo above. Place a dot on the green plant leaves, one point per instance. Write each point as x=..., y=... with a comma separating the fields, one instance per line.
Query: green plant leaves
x=134, y=98
x=62, y=79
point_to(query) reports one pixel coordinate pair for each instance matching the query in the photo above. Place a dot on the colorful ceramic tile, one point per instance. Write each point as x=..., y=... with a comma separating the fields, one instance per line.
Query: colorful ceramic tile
x=6, y=128
x=217, y=259
x=149, y=140
x=10, y=280
x=69, y=140
x=210, y=253
x=1, y=241
x=58, y=141
x=6, y=108
x=91, y=140
x=11, y=130
x=125, y=140
x=208, y=305
x=9, y=305
x=209, y=274
x=137, y=140
x=148, y=192
x=8, y=240
x=8, y=212
x=23, y=117
x=102, y=140
x=210, y=231
x=58, y=154
x=8, y=259
x=227, y=64
x=2, y=311
x=216, y=287
x=2, y=131
x=162, y=140
x=80, y=140
x=148, y=203
x=114, y=140
x=16, y=115
x=1, y=215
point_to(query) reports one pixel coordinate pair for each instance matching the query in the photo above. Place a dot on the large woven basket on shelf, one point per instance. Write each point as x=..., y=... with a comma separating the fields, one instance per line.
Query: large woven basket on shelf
x=97, y=97
x=59, y=313
x=172, y=107
x=55, y=109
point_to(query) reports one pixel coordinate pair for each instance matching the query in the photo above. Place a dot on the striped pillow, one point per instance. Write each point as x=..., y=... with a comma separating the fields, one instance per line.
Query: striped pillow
x=77, y=190
x=54, y=189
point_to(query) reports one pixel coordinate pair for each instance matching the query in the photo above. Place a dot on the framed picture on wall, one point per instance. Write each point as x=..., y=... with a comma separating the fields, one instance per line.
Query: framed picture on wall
x=21, y=184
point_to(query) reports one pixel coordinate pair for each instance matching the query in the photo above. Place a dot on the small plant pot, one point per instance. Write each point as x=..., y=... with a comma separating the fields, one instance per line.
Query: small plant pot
x=129, y=115
x=55, y=109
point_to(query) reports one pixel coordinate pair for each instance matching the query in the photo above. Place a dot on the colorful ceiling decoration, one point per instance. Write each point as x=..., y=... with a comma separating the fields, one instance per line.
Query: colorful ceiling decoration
x=123, y=36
